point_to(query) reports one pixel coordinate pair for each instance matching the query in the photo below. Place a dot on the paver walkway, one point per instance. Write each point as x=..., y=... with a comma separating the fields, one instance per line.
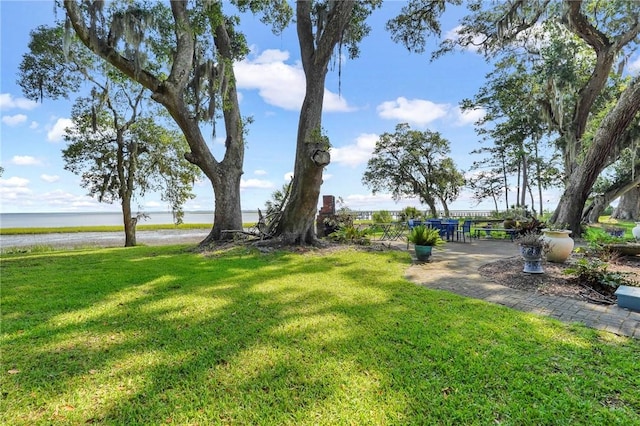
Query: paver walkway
x=454, y=267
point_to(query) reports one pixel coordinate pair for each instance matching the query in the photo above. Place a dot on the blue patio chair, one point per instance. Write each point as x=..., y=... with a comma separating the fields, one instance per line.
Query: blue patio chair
x=412, y=223
x=438, y=224
x=464, y=231
x=449, y=228
x=433, y=223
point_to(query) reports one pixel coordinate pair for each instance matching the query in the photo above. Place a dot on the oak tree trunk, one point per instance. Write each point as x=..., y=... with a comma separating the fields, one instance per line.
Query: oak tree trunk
x=582, y=175
x=629, y=206
x=607, y=137
x=296, y=226
x=129, y=223
x=297, y=223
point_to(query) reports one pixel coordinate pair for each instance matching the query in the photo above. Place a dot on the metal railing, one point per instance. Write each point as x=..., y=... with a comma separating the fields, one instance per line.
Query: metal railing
x=395, y=214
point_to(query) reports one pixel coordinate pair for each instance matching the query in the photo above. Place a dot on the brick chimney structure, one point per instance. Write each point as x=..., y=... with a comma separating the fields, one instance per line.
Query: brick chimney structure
x=328, y=210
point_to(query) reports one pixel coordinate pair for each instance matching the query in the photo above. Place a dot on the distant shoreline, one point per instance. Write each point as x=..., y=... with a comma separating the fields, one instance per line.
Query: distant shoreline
x=97, y=219
x=102, y=239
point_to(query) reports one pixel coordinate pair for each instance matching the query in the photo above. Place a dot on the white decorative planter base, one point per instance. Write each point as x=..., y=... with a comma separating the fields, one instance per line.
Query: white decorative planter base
x=532, y=256
x=533, y=267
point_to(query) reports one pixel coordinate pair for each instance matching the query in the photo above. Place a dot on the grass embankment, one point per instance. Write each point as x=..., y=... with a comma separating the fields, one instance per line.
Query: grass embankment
x=152, y=335
x=112, y=228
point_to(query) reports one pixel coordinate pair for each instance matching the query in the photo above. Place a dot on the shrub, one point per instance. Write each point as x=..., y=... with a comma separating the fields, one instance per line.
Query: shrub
x=597, y=238
x=350, y=234
x=410, y=213
x=382, y=216
x=532, y=226
x=424, y=236
x=344, y=217
x=594, y=272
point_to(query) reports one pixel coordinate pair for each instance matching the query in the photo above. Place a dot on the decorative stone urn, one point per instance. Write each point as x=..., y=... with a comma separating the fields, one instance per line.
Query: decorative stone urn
x=636, y=231
x=532, y=256
x=560, y=244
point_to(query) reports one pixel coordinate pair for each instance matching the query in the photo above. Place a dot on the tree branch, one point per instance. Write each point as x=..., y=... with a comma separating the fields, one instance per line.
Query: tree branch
x=332, y=33
x=103, y=49
x=185, y=44
x=579, y=25
x=305, y=33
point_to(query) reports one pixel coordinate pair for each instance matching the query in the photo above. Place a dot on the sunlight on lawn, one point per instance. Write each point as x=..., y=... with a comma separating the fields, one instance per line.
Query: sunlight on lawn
x=112, y=304
x=164, y=335
x=185, y=307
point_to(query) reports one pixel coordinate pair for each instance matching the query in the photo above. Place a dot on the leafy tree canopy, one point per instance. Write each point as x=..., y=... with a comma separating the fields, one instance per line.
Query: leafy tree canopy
x=411, y=163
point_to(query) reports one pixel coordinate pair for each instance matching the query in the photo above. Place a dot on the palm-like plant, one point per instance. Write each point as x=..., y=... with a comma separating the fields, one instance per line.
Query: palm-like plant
x=422, y=235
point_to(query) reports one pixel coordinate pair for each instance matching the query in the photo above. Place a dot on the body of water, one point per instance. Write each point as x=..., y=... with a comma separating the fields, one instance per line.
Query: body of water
x=56, y=220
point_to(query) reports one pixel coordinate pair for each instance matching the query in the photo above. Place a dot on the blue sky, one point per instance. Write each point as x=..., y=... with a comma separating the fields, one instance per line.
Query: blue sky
x=385, y=86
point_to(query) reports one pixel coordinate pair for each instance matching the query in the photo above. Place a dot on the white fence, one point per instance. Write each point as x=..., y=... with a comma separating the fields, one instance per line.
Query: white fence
x=395, y=214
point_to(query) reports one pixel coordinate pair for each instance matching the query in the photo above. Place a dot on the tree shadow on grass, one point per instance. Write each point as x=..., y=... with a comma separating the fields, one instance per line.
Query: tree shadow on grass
x=156, y=335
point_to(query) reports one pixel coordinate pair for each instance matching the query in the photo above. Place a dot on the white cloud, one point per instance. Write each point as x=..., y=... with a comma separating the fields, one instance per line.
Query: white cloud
x=333, y=102
x=326, y=176
x=255, y=184
x=281, y=84
x=356, y=154
x=34, y=125
x=7, y=101
x=50, y=178
x=288, y=177
x=469, y=116
x=25, y=160
x=67, y=200
x=413, y=111
x=14, y=120
x=153, y=204
x=260, y=173
x=14, y=188
x=634, y=67
x=56, y=133
x=476, y=41
x=14, y=182
x=219, y=140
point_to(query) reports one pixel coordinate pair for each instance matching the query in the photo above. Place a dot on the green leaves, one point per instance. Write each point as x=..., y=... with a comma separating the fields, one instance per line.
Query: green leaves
x=45, y=71
x=422, y=235
x=414, y=164
x=416, y=20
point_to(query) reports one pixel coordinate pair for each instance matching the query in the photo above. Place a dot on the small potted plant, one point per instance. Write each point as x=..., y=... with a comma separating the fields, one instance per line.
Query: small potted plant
x=532, y=247
x=424, y=239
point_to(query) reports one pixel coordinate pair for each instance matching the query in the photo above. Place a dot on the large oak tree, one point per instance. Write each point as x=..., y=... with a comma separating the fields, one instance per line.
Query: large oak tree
x=119, y=157
x=609, y=31
x=605, y=33
x=184, y=55
x=411, y=163
x=321, y=27
x=116, y=145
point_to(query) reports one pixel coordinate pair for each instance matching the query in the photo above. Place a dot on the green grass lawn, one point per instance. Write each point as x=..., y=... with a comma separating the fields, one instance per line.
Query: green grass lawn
x=154, y=335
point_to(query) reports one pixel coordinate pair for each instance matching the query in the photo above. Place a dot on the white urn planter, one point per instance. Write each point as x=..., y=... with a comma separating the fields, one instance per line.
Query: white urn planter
x=560, y=245
x=636, y=231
